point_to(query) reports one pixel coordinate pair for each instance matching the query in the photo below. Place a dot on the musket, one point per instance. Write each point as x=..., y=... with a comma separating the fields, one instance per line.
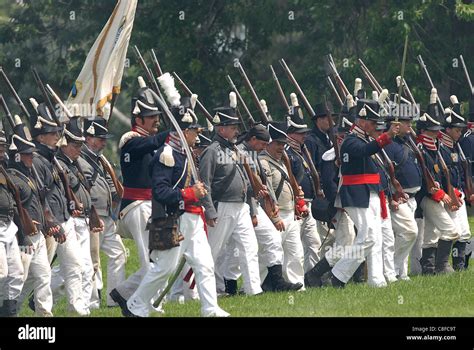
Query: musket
x=466, y=73
x=110, y=170
x=156, y=64
x=255, y=99
x=455, y=200
x=283, y=99
x=370, y=77
x=28, y=226
x=196, y=179
x=189, y=92
x=292, y=79
x=14, y=93
x=73, y=202
x=45, y=94
x=314, y=173
x=241, y=101
x=407, y=92
x=269, y=205
x=334, y=90
x=330, y=68
x=399, y=193
x=428, y=77
x=149, y=76
x=467, y=173
x=158, y=72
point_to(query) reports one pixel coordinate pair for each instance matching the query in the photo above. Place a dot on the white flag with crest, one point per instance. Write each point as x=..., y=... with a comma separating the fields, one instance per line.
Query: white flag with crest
x=101, y=75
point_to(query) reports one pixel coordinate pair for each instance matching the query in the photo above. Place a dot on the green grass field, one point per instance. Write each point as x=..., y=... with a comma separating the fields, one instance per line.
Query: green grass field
x=435, y=296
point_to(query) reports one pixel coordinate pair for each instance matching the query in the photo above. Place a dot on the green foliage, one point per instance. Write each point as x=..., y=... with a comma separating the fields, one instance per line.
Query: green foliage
x=201, y=39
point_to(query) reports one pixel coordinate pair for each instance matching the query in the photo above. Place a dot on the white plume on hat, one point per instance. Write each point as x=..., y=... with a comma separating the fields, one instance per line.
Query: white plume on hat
x=167, y=83
x=232, y=100
x=357, y=85
x=383, y=96
x=263, y=103
x=34, y=103
x=433, y=96
x=194, y=98
x=454, y=99
x=210, y=127
x=375, y=95
x=399, y=80
x=294, y=100
x=141, y=82
x=350, y=101
x=17, y=120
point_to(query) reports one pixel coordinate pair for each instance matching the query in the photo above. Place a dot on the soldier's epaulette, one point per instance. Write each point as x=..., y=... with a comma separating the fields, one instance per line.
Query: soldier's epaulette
x=127, y=137
x=166, y=156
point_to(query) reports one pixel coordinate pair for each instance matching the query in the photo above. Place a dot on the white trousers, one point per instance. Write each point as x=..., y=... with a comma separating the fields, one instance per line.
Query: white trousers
x=344, y=235
x=293, y=253
x=234, y=223
x=197, y=252
x=416, y=251
x=38, y=277
x=270, y=250
x=135, y=222
x=369, y=237
x=388, y=250
x=311, y=240
x=70, y=261
x=461, y=221
x=438, y=223
x=111, y=245
x=11, y=278
x=405, y=230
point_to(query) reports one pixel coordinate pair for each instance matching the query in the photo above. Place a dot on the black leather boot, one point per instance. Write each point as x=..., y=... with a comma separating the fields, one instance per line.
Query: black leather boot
x=459, y=255
x=9, y=308
x=278, y=282
x=336, y=283
x=359, y=274
x=442, y=257
x=427, y=261
x=312, y=278
x=230, y=286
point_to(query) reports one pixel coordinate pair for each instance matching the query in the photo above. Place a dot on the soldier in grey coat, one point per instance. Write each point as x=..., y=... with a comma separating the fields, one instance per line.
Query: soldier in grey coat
x=228, y=213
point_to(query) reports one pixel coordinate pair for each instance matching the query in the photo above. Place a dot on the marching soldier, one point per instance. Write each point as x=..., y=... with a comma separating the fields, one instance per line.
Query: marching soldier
x=270, y=249
x=103, y=196
x=137, y=148
x=176, y=211
x=46, y=135
x=68, y=155
x=449, y=149
x=285, y=221
x=360, y=195
x=11, y=268
x=297, y=132
x=439, y=229
x=36, y=265
x=228, y=203
x=467, y=144
x=324, y=158
x=408, y=172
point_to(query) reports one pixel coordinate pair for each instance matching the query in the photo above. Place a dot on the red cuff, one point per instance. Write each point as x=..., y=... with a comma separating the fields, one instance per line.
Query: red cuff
x=458, y=194
x=383, y=140
x=301, y=205
x=438, y=195
x=188, y=195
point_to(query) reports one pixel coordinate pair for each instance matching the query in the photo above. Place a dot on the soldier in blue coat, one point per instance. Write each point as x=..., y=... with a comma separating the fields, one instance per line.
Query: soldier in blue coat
x=176, y=197
x=451, y=152
x=297, y=134
x=360, y=193
x=467, y=144
x=137, y=148
x=409, y=173
x=439, y=229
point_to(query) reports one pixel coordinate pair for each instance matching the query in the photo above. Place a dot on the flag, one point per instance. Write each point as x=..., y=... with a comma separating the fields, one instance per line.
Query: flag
x=101, y=75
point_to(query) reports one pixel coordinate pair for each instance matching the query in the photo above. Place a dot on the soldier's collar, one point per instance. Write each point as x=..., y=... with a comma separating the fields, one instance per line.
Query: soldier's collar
x=141, y=131
x=446, y=140
x=359, y=132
